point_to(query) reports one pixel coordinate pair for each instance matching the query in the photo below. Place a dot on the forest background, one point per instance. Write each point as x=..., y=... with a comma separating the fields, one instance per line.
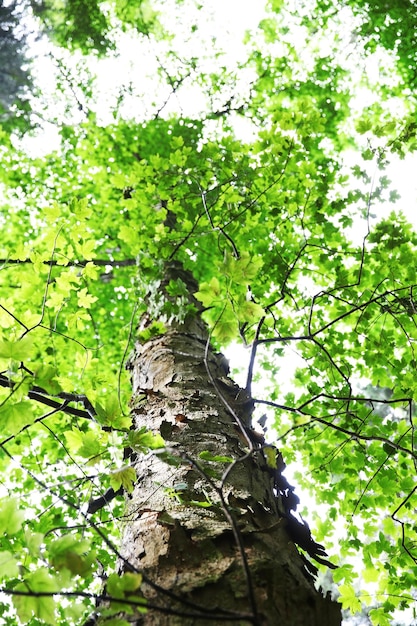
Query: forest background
x=136, y=132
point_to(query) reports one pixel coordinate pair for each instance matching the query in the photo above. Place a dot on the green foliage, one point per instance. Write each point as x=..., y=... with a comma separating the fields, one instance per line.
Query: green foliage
x=71, y=554
x=280, y=236
x=119, y=586
x=141, y=440
x=393, y=27
x=125, y=478
x=10, y=516
x=76, y=24
x=110, y=414
x=140, y=15
x=225, y=315
x=40, y=606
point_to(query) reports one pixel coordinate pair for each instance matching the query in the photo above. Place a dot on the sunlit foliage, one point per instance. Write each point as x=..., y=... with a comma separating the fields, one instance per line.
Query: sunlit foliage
x=242, y=169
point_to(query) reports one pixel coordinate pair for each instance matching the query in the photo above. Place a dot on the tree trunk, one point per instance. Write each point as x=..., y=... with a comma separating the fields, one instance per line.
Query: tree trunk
x=211, y=535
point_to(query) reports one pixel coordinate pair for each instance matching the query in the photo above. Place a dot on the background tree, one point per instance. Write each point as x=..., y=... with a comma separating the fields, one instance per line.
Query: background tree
x=253, y=196
x=15, y=79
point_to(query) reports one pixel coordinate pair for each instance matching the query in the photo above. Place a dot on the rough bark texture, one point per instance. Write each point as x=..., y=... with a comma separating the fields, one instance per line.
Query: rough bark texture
x=195, y=552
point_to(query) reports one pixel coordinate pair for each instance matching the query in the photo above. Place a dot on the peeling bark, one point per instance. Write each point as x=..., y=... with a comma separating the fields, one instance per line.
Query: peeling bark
x=231, y=561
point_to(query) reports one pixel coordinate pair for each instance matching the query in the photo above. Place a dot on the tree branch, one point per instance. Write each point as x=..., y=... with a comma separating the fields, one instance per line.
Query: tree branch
x=40, y=395
x=76, y=263
x=350, y=433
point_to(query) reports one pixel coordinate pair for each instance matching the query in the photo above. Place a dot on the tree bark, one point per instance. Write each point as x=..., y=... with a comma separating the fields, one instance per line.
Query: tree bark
x=210, y=535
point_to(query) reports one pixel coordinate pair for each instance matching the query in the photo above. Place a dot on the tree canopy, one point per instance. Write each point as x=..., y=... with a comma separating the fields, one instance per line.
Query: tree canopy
x=264, y=169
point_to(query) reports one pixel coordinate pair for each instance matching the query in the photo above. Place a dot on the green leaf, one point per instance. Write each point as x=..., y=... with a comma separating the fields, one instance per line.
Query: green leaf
x=8, y=565
x=45, y=377
x=86, y=445
x=16, y=415
x=74, y=439
x=91, y=271
x=111, y=414
x=363, y=125
x=52, y=213
x=204, y=504
x=85, y=299
x=80, y=208
x=123, y=586
x=124, y=477
x=271, y=453
x=349, y=599
x=42, y=607
x=11, y=517
x=250, y=312
x=242, y=270
x=19, y=350
x=379, y=617
x=226, y=326
x=370, y=574
x=146, y=440
x=208, y=292
x=344, y=572
x=73, y=554
x=368, y=154
x=33, y=541
x=129, y=236
x=87, y=248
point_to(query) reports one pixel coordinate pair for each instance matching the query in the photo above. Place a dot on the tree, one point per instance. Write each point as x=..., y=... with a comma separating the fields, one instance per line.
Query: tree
x=175, y=236
x=15, y=80
x=209, y=534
